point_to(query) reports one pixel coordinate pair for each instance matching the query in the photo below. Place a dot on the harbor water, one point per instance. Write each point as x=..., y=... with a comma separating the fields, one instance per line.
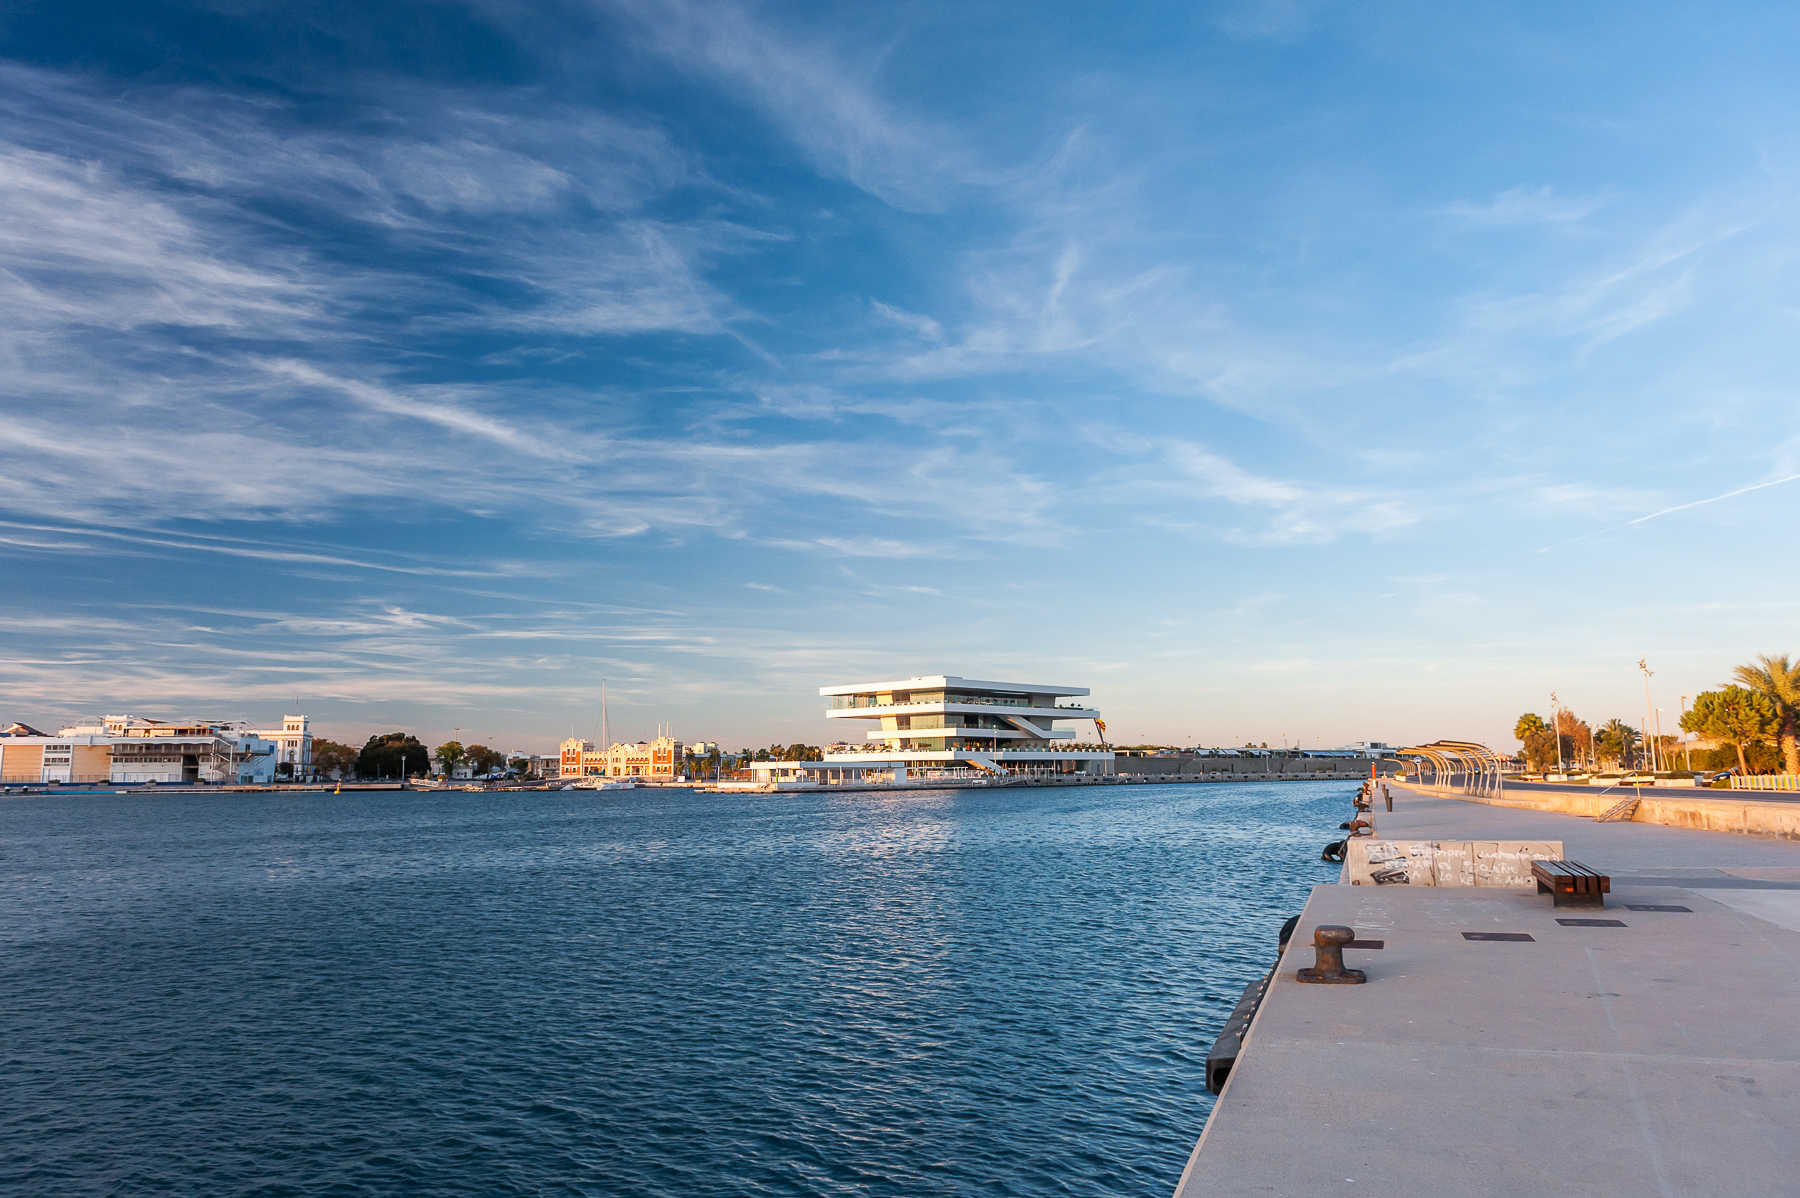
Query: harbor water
x=638, y=993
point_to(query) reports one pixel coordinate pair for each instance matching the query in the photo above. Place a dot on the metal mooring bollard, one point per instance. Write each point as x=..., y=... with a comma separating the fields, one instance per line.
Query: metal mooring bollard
x=1328, y=969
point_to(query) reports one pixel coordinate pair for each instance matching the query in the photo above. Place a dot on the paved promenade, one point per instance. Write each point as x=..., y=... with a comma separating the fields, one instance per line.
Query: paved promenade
x=1661, y=1057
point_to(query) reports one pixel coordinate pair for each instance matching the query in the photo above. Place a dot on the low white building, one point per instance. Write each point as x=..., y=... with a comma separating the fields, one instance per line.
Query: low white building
x=140, y=749
x=33, y=758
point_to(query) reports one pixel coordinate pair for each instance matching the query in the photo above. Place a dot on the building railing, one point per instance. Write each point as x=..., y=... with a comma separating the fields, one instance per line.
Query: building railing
x=856, y=702
x=984, y=749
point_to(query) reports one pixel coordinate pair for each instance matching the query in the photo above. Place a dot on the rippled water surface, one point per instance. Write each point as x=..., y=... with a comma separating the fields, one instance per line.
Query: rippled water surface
x=1005, y=992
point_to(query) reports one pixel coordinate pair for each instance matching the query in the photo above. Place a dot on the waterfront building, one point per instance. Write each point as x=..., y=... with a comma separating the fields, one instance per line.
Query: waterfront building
x=129, y=749
x=652, y=760
x=34, y=758
x=941, y=725
x=579, y=759
x=146, y=750
x=293, y=745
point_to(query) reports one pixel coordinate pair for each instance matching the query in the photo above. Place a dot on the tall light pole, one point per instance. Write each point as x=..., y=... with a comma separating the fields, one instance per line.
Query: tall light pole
x=1687, y=749
x=1659, y=744
x=1644, y=666
x=1556, y=732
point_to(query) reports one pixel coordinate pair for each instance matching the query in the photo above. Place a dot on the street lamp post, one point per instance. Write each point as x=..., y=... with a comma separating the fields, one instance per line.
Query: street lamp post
x=1644, y=666
x=1659, y=744
x=1556, y=732
x=1687, y=749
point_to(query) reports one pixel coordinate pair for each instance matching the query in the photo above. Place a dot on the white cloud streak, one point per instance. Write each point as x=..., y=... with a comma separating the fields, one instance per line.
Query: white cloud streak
x=1732, y=494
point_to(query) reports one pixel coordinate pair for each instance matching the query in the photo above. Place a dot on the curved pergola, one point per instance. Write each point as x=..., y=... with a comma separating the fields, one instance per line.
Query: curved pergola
x=1478, y=766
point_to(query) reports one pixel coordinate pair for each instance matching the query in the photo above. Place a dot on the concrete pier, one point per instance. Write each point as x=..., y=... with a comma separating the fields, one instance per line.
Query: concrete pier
x=1657, y=1057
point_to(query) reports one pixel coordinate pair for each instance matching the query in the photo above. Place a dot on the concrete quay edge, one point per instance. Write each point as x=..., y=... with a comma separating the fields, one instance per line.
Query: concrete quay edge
x=1655, y=1058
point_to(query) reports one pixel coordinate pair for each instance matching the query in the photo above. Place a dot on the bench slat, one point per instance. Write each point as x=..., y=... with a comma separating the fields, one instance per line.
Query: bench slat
x=1572, y=880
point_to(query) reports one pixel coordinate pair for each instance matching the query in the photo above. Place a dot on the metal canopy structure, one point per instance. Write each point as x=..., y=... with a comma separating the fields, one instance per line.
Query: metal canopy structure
x=1477, y=766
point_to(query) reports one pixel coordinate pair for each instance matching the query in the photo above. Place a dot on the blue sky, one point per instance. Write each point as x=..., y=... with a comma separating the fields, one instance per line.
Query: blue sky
x=1280, y=370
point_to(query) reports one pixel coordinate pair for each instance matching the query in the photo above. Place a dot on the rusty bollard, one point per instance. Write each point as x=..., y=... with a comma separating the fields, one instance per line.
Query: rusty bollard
x=1328, y=969
x=1361, y=827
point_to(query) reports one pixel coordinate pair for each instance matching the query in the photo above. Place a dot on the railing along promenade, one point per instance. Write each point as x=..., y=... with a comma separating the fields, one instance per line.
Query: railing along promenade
x=1766, y=782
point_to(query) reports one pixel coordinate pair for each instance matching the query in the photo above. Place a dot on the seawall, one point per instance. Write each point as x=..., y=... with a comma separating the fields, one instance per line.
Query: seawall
x=1241, y=769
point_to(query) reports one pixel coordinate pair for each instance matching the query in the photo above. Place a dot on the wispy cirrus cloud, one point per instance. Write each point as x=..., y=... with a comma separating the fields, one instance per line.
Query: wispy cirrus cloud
x=444, y=413
x=1523, y=205
x=807, y=89
x=1292, y=512
x=1266, y=20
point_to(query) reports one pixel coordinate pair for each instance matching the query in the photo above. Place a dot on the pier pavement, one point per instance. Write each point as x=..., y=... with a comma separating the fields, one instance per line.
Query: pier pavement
x=1661, y=1057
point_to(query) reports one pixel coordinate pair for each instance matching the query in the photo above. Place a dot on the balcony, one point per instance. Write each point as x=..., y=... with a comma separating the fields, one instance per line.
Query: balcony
x=939, y=699
x=872, y=753
x=968, y=734
x=864, y=711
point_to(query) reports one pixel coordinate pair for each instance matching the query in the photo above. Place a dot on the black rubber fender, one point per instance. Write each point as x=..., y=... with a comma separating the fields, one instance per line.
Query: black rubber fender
x=1333, y=851
x=1287, y=930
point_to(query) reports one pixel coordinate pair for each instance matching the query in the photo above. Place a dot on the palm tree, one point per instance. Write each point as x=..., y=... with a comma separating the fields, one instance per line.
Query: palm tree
x=1778, y=680
x=1615, y=740
x=1528, y=723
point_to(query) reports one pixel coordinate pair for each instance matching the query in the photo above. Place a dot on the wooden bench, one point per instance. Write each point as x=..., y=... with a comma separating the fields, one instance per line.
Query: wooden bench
x=1571, y=884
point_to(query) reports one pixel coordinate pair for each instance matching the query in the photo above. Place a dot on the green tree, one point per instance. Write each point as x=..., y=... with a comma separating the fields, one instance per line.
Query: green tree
x=520, y=766
x=392, y=755
x=450, y=755
x=1540, y=749
x=1733, y=715
x=332, y=759
x=1778, y=680
x=1616, y=742
x=1528, y=723
x=483, y=760
x=1577, y=737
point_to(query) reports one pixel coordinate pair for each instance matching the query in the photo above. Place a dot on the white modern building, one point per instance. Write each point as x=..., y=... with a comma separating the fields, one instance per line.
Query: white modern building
x=940, y=725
